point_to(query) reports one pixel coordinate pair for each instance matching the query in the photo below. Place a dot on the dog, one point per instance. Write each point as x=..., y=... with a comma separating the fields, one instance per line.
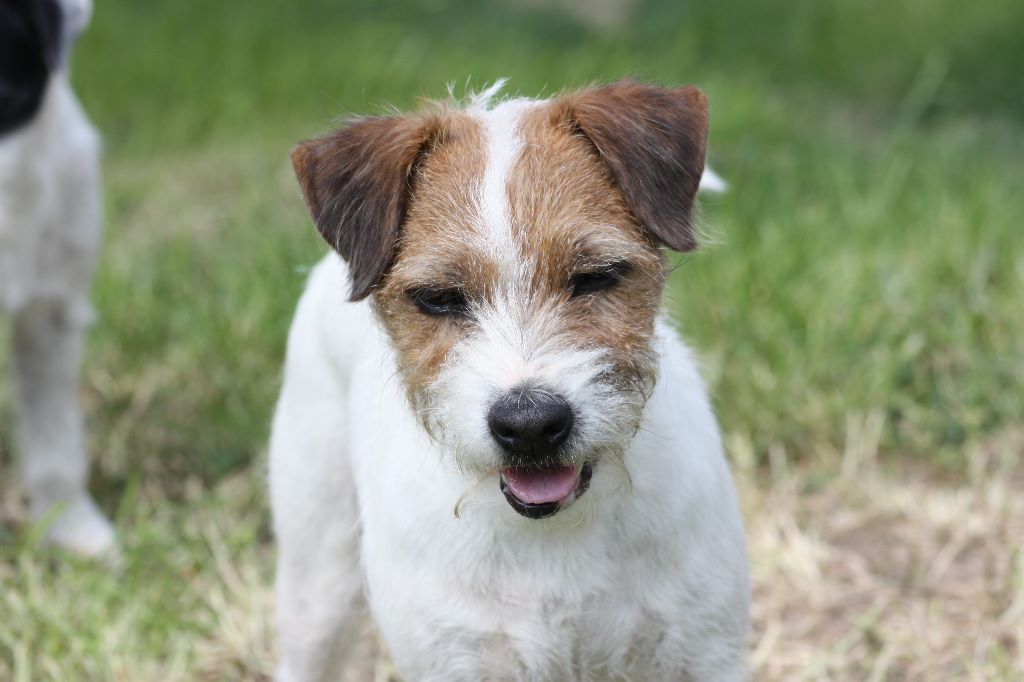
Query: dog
x=499, y=449
x=50, y=229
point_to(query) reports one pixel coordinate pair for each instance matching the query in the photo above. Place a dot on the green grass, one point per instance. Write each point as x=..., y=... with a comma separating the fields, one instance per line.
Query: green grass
x=866, y=267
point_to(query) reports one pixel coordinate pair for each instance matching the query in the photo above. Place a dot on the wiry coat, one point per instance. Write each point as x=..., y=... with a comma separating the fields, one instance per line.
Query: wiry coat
x=383, y=474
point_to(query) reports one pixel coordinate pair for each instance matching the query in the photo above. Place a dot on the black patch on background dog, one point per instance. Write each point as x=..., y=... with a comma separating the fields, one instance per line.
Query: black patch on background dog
x=31, y=37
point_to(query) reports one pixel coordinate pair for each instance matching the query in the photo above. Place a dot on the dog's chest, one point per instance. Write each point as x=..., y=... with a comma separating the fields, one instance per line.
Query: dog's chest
x=605, y=637
x=604, y=591
x=580, y=616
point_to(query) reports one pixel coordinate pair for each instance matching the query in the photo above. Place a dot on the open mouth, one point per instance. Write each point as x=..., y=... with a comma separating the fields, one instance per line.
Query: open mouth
x=540, y=493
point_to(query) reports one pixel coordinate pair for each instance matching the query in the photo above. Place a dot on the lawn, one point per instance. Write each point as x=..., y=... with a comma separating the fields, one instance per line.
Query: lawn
x=858, y=303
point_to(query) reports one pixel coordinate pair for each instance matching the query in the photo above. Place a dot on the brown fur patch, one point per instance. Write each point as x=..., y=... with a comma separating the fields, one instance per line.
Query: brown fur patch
x=433, y=250
x=573, y=219
x=654, y=141
x=603, y=177
x=357, y=181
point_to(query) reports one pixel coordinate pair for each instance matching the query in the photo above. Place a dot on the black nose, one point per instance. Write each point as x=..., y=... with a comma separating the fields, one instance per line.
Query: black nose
x=530, y=421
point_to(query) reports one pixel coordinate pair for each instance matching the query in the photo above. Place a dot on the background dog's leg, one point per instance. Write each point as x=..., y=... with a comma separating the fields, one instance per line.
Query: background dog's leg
x=322, y=617
x=47, y=350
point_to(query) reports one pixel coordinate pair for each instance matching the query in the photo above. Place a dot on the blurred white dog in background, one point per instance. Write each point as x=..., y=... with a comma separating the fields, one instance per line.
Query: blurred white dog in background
x=50, y=229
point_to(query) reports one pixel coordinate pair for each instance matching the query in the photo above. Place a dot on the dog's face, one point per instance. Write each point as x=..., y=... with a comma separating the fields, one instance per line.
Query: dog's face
x=513, y=256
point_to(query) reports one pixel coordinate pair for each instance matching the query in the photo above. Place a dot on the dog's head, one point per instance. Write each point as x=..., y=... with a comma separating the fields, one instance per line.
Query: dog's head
x=512, y=253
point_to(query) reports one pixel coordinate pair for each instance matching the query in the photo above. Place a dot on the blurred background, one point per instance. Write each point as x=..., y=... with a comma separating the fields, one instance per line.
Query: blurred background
x=858, y=302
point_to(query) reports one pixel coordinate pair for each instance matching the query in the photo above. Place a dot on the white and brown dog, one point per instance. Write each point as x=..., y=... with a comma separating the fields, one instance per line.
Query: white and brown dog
x=50, y=230
x=500, y=445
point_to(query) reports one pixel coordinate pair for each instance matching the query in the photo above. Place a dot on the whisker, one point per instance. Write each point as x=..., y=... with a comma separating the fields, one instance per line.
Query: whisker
x=457, y=511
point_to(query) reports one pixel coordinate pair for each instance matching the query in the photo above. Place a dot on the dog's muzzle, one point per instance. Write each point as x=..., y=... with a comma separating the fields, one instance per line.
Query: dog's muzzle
x=532, y=425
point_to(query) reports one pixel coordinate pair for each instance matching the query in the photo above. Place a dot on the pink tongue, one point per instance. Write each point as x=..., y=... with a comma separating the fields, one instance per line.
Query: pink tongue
x=541, y=486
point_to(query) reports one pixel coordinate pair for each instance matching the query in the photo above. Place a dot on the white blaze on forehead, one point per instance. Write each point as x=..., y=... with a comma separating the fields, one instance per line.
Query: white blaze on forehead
x=503, y=145
x=506, y=321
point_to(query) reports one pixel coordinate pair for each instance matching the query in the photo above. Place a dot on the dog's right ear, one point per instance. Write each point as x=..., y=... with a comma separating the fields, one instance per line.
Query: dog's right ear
x=356, y=182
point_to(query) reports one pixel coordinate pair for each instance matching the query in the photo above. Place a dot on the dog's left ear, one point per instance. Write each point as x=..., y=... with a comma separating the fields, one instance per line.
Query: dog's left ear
x=357, y=182
x=653, y=140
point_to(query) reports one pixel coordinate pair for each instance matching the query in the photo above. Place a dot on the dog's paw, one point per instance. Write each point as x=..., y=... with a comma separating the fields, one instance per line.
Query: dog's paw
x=81, y=528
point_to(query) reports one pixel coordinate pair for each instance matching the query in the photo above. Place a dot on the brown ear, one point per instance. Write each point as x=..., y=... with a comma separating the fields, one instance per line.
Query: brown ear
x=356, y=182
x=653, y=140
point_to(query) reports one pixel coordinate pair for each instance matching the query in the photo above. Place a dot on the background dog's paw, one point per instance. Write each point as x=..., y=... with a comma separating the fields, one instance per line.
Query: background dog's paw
x=80, y=527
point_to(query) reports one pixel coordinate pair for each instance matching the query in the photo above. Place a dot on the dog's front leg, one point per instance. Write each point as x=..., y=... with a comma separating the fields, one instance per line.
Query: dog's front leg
x=47, y=351
x=322, y=616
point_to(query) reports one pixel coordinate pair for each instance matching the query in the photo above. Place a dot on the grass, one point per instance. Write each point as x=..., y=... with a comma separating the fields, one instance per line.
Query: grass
x=883, y=575
x=858, y=305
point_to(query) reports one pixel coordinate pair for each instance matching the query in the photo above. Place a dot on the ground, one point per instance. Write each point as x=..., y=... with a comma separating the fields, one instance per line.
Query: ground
x=856, y=303
x=858, y=574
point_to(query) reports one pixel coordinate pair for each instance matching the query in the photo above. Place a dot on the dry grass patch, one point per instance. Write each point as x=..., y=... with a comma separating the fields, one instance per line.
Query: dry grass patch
x=877, y=575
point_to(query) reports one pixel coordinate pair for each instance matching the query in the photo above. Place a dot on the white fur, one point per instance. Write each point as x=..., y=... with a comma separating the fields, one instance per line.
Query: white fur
x=503, y=145
x=517, y=343
x=642, y=578
x=49, y=237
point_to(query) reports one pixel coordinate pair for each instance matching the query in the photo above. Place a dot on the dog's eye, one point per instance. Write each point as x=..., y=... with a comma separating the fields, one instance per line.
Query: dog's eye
x=440, y=301
x=598, y=280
